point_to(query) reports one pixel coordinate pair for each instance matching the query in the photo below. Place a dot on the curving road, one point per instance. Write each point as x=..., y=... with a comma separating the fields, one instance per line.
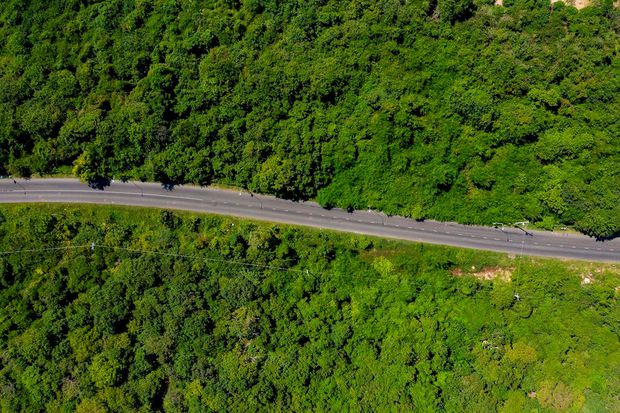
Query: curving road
x=260, y=207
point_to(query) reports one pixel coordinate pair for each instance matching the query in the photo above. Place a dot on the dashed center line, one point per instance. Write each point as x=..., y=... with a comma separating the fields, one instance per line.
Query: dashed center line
x=366, y=222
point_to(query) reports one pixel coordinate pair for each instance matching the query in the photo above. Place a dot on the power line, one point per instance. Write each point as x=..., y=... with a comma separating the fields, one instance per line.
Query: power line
x=198, y=257
x=520, y=258
x=93, y=245
x=68, y=247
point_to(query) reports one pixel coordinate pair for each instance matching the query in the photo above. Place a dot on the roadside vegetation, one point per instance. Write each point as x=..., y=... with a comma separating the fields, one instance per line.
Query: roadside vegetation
x=171, y=311
x=449, y=109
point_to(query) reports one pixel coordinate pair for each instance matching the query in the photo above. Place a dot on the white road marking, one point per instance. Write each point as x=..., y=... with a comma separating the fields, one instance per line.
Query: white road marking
x=207, y=200
x=95, y=192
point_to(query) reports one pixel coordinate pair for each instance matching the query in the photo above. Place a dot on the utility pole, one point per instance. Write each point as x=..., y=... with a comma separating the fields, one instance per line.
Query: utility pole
x=522, y=225
x=500, y=226
x=18, y=184
x=260, y=201
x=139, y=187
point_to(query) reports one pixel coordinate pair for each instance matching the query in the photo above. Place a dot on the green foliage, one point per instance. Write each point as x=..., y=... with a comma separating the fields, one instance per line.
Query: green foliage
x=257, y=317
x=446, y=109
x=453, y=10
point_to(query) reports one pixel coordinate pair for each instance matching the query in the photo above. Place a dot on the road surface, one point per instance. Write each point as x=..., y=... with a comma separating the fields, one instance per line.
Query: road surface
x=260, y=207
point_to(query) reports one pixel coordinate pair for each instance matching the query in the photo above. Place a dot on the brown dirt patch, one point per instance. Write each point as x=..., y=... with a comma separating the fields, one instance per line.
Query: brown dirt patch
x=487, y=273
x=587, y=278
x=596, y=273
x=578, y=4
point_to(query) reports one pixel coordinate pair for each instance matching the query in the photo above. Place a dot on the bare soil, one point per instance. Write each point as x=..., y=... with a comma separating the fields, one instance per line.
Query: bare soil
x=487, y=273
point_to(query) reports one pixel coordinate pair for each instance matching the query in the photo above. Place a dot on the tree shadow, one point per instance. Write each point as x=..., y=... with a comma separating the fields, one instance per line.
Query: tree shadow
x=607, y=238
x=99, y=183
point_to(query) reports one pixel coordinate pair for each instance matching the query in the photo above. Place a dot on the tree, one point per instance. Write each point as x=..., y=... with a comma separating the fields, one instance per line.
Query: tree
x=454, y=10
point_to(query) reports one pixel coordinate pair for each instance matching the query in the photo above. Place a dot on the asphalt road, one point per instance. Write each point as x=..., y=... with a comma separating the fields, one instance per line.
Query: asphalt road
x=260, y=207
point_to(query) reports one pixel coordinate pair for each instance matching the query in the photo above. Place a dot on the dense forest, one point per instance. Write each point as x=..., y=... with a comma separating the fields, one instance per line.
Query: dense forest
x=106, y=309
x=445, y=109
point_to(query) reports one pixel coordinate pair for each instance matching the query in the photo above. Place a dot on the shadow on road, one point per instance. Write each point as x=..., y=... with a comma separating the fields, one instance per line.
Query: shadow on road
x=99, y=184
